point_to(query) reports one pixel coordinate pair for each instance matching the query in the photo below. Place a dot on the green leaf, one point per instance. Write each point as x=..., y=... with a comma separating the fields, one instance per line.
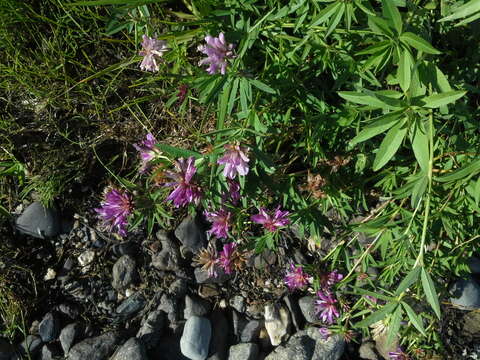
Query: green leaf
x=476, y=191
x=437, y=100
x=358, y=290
x=389, y=145
x=419, y=140
x=408, y=280
x=377, y=315
x=338, y=16
x=178, y=152
x=262, y=86
x=223, y=104
x=392, y=13
x=470, y=169
x=419, y=189
x=132, y=3
x=415, y=319
x=465, y=10
x=326, y=13
x=430, y=292
x=380, y=26
x=394, y=325
x=367, y=99
x=378, y=126
x=404, y=73
x=375, y=48
x=418, y=43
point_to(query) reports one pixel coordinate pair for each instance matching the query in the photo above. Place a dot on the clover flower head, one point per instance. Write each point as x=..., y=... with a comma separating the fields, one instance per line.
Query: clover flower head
x=235, y=161
x=185, y=189
x=324, y=333
x=220, y=222
x=151, y=47
x=227, y=257
x=115, y=209
x=398, y=355
x=269, y=222
x=325, y=307
x=233, y=193
x=295, y=278
x=328, y=279
x=217, y=51
x=147, y=151
x=207, y=258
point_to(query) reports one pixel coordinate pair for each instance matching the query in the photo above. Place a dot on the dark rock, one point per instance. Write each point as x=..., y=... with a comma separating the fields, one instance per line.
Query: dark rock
x=466, y=294
x=69, y=334
x=125, y=248
x=49, y=327
x=168, y=259
x=238, y=303
x=239, y=322
x=50, y=352
x=131, y=305
x=178, y=288
x=171, y=306
x=96, y=348
x=68, y=310
x=191, y=234
x=246, y=351
x=39, y=221
x=255, y=311
x=251, y=331
x=124, y=272
x=7, y=350
x=132, y=349
x=168, y=348
x=195, y=306
x=220, y=332
x=152, y=328
x=208, y=290
x=195, y=340
x=297, y=316
x=202, y=276
x=307, y=307
x=264, y=259
x=30, y=345
x=474, y=265
x=471, y=325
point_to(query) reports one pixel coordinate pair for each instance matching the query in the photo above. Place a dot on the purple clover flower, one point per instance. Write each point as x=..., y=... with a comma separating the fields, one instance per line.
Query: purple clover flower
x=398, y=355
x=271, y=223
x=325, y=307
x=220, y=222
x=235, y=160
x=147, y=151
x=324, y=333
x=327, y=280
x=217, y=51
x=115, y=209
x=186, y=191
x=226, y=257
x=233, y=191
x=151, y=48
x=295, y=278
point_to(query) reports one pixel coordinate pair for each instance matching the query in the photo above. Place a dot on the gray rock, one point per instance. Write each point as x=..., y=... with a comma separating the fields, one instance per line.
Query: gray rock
x=195, y=340
x=96, y=348
x=251, y=331
x=474, y=265
x=178, y=288
x=239, y=322
x=50, y=352
x=195, y=306
x=471, y=325
x=367, y=351
x=39, y=221
x=191, y=234
x=202, y=277
x=466, y=294
x=297, y=316
x=171, y=306
x=307, y=307
x=30, y=345
x=168, y=349
x=277, y=323
x=69, y=310
x=309, y=345
x=49, y=327
x=69, y=334
x=220, y=332
x=152, y=328
x=7, y=351
x=131, y=305
x=246, y=351
x=264, y=259
x=238, y=303
x=125, y=248
x=168, y=259
x=133, y=349
x=124, y=272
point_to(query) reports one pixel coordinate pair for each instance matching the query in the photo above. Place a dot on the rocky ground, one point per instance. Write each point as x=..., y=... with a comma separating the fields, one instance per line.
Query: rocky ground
x=99, y=297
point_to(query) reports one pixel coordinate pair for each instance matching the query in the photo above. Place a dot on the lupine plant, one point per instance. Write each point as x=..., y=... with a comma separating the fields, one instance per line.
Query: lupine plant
x=320, y=107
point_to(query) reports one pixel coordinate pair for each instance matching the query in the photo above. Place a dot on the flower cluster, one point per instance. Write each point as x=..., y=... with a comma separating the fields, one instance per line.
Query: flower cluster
x=115, y=209
x=185, y=189
x=296, y=278
x=271, y=222
x=218, y=52
x=220, y=222
x=229, y=259
x=325, y=305
x=235, y=161
x=147, y=151
x=151, y=48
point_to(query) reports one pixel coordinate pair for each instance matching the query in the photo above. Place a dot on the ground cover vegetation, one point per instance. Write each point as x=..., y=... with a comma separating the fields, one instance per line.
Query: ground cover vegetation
x=350, y=126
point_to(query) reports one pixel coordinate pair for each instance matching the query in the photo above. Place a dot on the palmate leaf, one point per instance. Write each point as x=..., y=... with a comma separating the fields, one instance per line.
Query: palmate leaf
x=390, y=145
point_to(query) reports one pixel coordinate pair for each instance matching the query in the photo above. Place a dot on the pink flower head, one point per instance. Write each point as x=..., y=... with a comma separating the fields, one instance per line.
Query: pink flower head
x=151, y=48
x=115, y=210
x=147, y=151
x=325, y=307
x=327, y=280
x=226, y=257
x=233, y=191
x=271, y=223
x=295, y=278
x=235, y=160
x=220, y=222
x=324, y=333
x=186, y=191
x=217, y=51
x=398, y=355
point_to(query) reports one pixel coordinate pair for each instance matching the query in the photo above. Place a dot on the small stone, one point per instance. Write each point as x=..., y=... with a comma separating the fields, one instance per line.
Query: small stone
x=96, y=348
x=367, y=351
x=195, y=340
x=471, y=325
x=245, y=351
x=277, y=323
x=30, y=345
x=307, y=306
x=86, y=257
x=124, y=272
x=38, y=221
x=238, y=303
x=50, y=275
x=255, y=310
x=208, y=290
x=191, y=234
x=152, y=329
x=202, y=276
x=68, y=310
x=50, y=352
x=69, y=334
x=264, y=259
x=125, y=248
x=178, y=288
x=168, y=259
x=132, y=349
x=131, y=305
x=171, y=306
x=239, y=322
x=195, y=306
x=49, y=327
x=251, y=331
x=466, y=294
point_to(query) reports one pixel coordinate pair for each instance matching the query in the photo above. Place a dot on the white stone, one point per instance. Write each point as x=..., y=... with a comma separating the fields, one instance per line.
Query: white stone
x=277, y=323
